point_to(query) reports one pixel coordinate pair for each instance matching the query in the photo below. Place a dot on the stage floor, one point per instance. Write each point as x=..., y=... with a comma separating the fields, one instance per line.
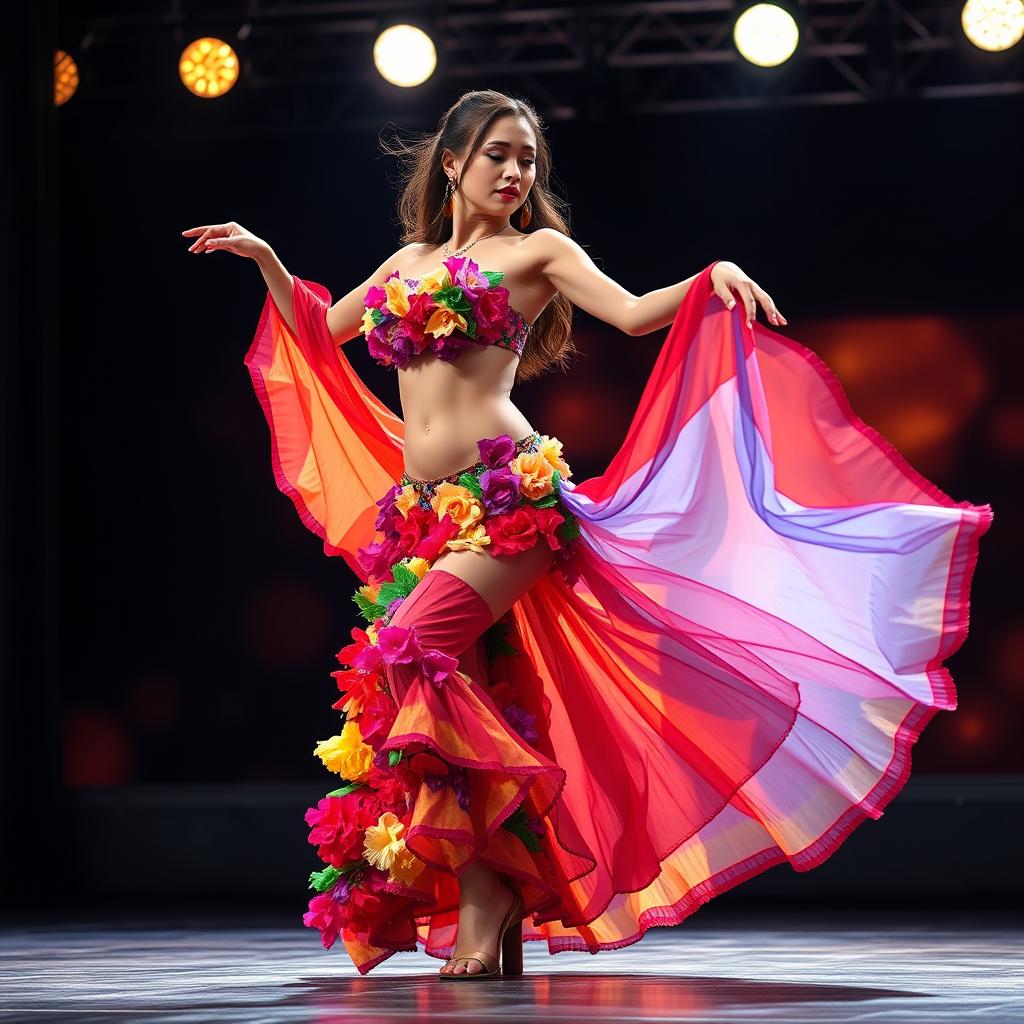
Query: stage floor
x=827, y=966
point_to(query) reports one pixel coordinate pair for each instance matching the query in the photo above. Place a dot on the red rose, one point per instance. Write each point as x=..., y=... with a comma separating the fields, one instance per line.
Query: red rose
x=512, y=532
x=337, y=824
x=413, y=528
x=440, y=532
x=377, y=717
x=548, y=521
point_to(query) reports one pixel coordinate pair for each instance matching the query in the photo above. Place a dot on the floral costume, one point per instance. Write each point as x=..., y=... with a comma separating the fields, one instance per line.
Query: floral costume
x=741, y=638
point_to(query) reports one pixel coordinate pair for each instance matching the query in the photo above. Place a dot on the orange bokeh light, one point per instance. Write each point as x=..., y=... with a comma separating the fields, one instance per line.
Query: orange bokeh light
x=208, y=67
x=65, y=77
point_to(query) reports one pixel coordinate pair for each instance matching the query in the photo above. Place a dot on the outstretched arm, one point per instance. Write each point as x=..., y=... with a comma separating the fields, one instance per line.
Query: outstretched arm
x=573, y=273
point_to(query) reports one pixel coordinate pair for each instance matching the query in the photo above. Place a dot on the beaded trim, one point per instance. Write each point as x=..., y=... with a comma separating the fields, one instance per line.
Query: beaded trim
x=426, y=488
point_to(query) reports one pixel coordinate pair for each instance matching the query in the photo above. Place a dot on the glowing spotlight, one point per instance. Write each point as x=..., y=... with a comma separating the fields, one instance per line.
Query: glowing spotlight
x=993, y=24
x=766, y=35
x=65, y=77
x=404, y=55
x=208, y=67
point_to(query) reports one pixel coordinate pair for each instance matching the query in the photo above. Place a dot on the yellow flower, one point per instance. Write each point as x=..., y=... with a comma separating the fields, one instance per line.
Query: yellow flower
x=371, y=632
x=535, y=474
x=435, y=281
x=398, y=296
x=407, y=499
x=473, y=539
x=370, y=591
x=417, y=565
x=551, y=449
x=383, y=842
x=459, y=503
x=406, y=866
x=368, y=323
x=443, y=321
x=346, y=754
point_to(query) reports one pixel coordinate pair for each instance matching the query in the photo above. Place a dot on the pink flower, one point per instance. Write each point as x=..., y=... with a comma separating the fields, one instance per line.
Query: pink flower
x=375, y=297
x=491, y=313
x=398, y=645
x=438, y=667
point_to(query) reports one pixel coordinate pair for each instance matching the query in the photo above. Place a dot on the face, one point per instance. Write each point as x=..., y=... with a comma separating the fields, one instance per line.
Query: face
x=506, y=160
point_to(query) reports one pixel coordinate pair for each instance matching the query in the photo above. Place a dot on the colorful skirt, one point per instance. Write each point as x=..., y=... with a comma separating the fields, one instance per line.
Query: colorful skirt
x=743, y=638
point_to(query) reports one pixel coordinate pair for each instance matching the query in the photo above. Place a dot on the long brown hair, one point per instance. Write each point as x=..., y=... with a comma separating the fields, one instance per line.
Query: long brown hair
x=462, y=129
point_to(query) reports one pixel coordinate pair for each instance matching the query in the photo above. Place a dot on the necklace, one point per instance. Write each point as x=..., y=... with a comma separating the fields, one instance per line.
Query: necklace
x=471, y=244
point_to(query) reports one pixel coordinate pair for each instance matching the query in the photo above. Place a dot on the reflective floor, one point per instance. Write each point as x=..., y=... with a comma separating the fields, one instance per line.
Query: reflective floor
x=751, y=967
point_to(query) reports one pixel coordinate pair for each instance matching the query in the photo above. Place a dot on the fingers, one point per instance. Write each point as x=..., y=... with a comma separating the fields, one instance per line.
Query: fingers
x=770, y=308
x=750, y=303
x=726, y=296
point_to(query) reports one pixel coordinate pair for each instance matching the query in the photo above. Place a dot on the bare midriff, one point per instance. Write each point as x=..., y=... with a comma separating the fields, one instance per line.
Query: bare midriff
x=448, y=407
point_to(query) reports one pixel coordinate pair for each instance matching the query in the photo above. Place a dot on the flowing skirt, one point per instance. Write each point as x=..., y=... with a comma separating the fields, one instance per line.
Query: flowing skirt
x=741, y=641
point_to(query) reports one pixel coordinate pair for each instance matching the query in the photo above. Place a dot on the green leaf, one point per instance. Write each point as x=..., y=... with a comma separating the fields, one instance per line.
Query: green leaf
x=346, y=789
x=516, y=823
x=369, y=610
x=570, y=527
x=404, y=576
x=472, y=484
x=323, y=880
x=376, y=315
x=394, y=756
x=470, y=324
x=454, y=298
x=496, y=642
x=494, y=276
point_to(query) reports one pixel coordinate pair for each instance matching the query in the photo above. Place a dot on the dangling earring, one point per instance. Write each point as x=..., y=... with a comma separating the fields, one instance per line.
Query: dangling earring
x=524, y=214
x=448, y=208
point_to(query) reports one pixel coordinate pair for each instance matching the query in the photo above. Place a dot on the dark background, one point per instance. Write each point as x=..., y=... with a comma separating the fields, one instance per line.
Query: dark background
x=184, y=622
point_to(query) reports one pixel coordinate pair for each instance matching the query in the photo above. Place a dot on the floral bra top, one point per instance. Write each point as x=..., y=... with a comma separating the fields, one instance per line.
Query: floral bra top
x=446, y=311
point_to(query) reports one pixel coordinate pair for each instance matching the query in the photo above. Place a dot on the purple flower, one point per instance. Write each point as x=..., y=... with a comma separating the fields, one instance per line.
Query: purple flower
x=500, y=489
x=496, y=452
x=449, y=346
x=340, y=890
x=393, y=607
x=520, y=720
x=456, y=778
x=388, y=512
x=438, y=666
x=377, y=343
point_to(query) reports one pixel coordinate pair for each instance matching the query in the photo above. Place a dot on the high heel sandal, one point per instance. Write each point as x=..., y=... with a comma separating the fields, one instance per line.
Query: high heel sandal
x=510, y=942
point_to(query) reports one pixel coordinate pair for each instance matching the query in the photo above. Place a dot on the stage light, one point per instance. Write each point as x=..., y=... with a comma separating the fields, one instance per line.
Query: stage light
x=208, y=67
x=65, y=77
x=993, y=24
x=766, y=35
x=404, y=55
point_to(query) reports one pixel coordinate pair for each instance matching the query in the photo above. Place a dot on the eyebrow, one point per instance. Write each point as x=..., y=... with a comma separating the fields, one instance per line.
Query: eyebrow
x=500, y=142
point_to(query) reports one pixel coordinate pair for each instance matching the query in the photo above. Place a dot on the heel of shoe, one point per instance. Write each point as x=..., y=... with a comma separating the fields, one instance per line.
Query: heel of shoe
x=512, y=949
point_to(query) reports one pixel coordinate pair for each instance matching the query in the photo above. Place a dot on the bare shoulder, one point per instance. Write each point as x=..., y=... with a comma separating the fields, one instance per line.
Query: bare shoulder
x=554, y=245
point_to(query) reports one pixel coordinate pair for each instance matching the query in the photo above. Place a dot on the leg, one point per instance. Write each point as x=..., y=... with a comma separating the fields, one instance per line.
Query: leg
x=484, y=897
x=498, y=580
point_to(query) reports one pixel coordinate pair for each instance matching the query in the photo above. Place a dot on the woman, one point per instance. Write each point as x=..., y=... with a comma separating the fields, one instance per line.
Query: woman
x=597, y=705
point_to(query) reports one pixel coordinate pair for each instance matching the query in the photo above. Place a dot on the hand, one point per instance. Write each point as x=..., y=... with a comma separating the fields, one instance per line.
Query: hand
x=727, y=276
x=230, y=237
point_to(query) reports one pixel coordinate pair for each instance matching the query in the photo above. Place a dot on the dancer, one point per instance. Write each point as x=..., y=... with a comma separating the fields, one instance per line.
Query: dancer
x=580, y=709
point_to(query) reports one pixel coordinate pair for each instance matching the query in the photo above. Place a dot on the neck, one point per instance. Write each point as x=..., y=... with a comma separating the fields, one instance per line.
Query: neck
x=466, y=230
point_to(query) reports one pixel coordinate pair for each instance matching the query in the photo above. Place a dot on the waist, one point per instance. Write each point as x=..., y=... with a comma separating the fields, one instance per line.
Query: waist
x=427, y=485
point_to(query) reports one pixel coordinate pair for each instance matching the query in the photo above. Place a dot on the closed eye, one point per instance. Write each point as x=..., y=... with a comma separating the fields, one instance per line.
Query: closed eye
x=500, y=158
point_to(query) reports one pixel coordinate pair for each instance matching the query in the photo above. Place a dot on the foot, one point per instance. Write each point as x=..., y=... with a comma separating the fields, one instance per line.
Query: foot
x=485, y=900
